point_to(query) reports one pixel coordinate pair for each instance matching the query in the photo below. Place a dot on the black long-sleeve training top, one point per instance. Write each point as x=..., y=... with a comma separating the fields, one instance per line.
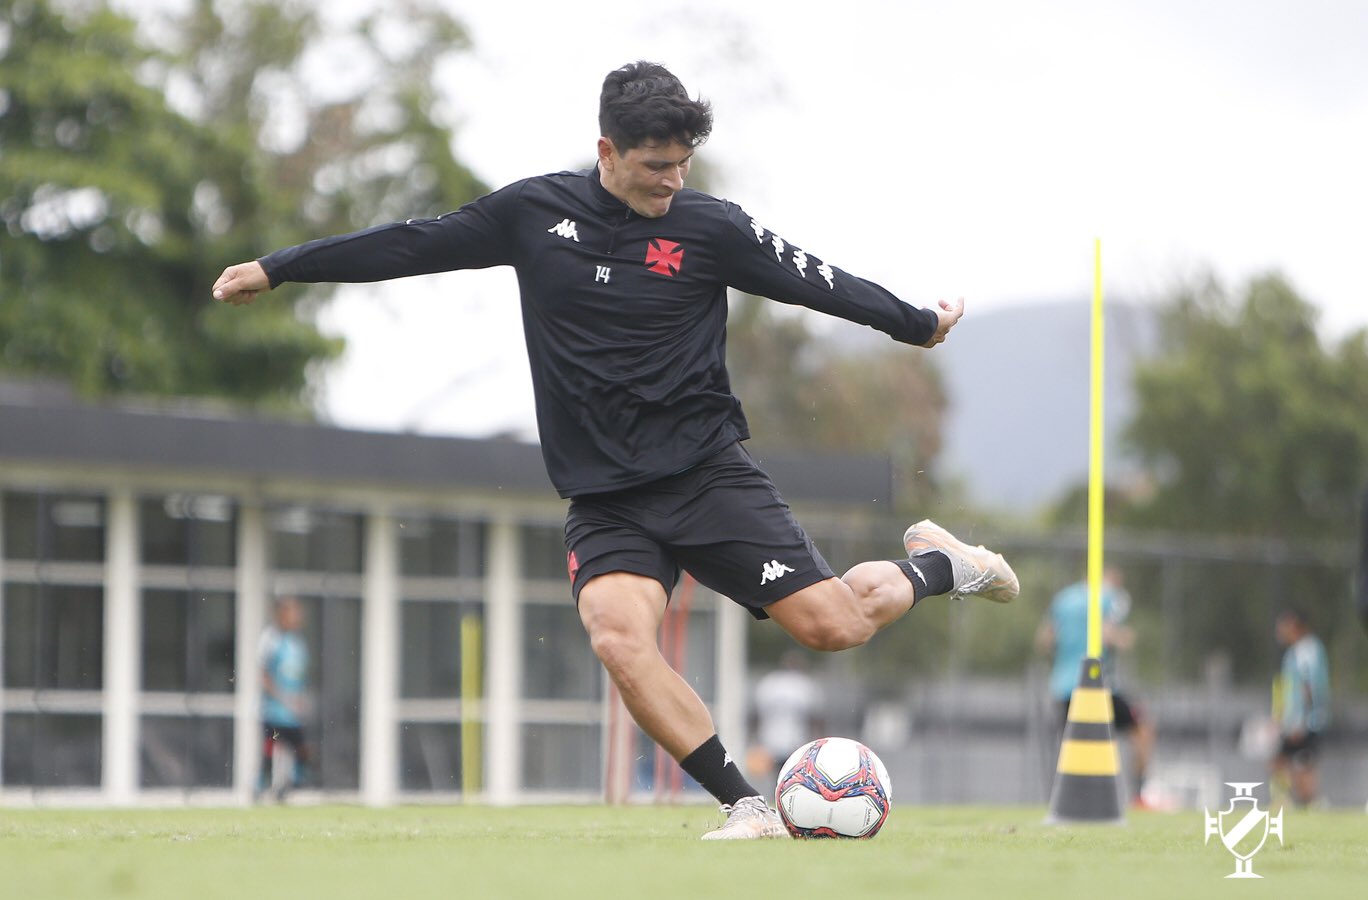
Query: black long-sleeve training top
x=624, y=316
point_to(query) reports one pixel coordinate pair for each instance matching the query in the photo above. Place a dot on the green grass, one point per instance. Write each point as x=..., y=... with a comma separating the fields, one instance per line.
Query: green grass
x=566, y=853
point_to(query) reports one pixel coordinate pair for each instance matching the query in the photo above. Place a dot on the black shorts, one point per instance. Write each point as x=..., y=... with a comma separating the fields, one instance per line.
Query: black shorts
x=722, y=521
x=292, y=735
x=1124, y=716
x=1302, y=750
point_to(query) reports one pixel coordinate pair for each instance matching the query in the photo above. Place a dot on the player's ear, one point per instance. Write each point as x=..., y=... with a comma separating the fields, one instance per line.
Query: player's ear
x=607, y=154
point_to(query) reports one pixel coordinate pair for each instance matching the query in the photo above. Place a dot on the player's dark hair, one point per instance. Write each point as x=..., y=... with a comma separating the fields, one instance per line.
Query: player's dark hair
x=644, y=101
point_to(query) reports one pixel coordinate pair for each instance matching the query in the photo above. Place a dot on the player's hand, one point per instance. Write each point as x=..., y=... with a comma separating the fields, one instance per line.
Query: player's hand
x=946, y=315
x=241, y=283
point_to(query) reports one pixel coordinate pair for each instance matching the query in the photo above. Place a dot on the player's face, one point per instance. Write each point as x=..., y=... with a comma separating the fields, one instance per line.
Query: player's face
x=646, y=178
x=290, y=616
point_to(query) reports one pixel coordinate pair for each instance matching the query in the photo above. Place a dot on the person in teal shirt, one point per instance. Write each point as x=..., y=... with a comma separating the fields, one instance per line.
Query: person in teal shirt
x=284, y=658
x=1303, y=705
x=1064, y=633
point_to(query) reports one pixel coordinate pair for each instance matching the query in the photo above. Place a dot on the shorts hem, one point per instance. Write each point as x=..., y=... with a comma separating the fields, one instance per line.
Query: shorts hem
x=790, y=586
x=588, y=571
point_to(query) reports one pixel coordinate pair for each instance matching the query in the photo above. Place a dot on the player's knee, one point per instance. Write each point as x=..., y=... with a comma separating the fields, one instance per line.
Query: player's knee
x=616, y=644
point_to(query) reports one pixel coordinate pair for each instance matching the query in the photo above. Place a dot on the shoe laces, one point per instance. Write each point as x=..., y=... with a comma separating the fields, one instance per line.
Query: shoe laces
x=746, y=808
x=985, y=577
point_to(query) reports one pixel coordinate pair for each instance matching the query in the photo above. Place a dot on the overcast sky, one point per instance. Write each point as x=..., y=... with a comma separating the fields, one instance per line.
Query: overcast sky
x=942, y=149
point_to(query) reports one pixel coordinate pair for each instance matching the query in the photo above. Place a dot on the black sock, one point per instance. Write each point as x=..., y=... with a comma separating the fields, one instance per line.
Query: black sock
x=712, y=767
x=929, y=572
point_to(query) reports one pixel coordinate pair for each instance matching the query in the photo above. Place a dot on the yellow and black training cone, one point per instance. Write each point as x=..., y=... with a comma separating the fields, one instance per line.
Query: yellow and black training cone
x=1087, y=785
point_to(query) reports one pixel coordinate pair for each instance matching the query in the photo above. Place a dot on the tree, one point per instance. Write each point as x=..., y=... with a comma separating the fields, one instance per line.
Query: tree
x=803, y=393
x=1252, y=425
x=121, y=204
x=1251, y=432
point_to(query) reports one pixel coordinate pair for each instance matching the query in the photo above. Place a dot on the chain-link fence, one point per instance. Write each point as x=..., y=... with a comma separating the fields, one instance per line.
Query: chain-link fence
x=955, y=696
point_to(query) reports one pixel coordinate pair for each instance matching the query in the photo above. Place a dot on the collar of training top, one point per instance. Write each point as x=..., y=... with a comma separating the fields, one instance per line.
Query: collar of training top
x=602, y=195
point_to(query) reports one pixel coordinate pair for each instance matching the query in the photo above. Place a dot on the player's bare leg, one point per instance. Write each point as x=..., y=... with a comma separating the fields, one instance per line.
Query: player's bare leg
x=622, y=613
x=1304, y=784
x=846, y=612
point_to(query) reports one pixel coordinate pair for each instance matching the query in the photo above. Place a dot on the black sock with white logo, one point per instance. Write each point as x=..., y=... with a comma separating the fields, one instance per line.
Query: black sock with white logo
x=930, y=574
x=712, y=767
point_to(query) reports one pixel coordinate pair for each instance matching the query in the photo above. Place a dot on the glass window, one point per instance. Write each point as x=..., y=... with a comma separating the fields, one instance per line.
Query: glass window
x=562, y=757
x=189, y=530
x=188, y=641
x=57, y=527
x=430, y=648
x=51, y=750
x=441, y=547
x=557, y=661
x=312, y=540
x=186, y=751
x=700, y=654
x=543, y=548
x=54, y=636
x=430, y=756
x=21, y=526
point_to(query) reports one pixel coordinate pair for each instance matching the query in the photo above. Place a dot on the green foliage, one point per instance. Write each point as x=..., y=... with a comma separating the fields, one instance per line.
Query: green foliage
x=803, y=394
x=1251, y=424
x=131, y=175
x=1251, y=431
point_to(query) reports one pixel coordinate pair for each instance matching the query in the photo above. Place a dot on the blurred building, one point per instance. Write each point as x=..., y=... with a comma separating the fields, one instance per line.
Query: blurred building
x=139, y=552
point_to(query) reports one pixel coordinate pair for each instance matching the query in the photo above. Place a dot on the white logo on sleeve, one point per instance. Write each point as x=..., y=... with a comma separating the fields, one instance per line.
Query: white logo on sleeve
x=773, y=571
x=800, y=262
x=825, y=271
x=566, y=229
x=778, y=244
x=758, y=229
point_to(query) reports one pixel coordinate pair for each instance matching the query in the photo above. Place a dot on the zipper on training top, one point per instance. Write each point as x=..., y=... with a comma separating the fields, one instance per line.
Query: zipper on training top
x=612, y=232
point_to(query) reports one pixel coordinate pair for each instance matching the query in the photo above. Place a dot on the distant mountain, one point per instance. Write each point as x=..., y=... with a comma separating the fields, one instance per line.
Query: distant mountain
x=1017, y=381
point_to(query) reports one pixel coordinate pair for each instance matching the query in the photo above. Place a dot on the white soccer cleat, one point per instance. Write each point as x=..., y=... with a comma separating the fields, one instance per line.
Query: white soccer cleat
x=977, y=570
x=749, y=819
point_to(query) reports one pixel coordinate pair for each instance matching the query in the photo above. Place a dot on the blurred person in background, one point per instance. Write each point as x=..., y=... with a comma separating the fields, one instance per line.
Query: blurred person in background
x=1064, y=635
x=1301, y=705
x=788, y=713
x=284, y=657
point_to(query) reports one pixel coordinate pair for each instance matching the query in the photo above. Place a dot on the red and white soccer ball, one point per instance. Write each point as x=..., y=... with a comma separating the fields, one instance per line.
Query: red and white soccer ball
x=834, y=787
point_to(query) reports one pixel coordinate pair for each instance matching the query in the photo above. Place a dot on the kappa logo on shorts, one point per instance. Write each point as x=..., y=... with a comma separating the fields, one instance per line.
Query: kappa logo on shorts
x=773, y=571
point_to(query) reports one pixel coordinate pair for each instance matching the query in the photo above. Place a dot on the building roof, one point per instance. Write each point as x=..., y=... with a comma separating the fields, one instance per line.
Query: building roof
x=45, y=424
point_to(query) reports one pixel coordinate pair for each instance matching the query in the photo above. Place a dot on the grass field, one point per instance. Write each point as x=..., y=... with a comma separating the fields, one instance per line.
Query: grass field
x=566, y=853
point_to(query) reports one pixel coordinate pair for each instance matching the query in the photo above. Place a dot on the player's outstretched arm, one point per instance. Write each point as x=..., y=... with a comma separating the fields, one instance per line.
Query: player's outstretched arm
x=241, y=283
x=947, y=314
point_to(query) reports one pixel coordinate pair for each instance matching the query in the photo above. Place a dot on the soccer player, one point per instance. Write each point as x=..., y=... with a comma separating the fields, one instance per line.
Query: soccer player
x=284, y=660
x=1304, y=701
x=623, y=276
x=1064, y=633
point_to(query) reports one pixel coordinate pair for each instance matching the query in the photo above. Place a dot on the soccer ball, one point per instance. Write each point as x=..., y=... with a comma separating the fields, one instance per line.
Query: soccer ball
x=834, y=787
